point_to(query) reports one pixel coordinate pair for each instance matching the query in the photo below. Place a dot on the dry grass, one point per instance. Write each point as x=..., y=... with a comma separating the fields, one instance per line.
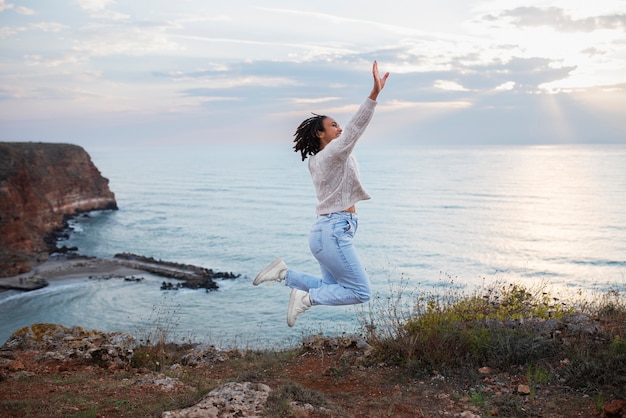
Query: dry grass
x=580, y=343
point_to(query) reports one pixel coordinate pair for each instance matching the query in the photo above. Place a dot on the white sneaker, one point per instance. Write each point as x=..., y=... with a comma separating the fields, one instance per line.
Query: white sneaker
x=299, y=302
x=275, y=272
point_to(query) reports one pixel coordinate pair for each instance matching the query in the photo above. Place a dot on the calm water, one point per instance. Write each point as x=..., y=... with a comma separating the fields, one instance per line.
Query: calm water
x=524, y=214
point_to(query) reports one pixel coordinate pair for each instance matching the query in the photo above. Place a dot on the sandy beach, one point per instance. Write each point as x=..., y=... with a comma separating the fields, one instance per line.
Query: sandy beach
x=59, y=269
x=123, y=265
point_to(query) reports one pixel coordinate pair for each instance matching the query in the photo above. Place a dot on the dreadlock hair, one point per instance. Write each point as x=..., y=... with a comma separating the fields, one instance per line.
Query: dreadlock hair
x=306, y=139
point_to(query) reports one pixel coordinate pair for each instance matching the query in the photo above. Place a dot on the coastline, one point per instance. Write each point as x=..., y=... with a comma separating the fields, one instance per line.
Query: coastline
x=122, y=265
x=66, y=268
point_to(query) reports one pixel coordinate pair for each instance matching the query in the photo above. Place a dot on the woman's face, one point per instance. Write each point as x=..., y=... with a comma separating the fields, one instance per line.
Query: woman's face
x=331, y=131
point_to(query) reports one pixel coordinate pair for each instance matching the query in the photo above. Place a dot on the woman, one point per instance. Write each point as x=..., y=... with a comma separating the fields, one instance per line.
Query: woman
x=335, y=176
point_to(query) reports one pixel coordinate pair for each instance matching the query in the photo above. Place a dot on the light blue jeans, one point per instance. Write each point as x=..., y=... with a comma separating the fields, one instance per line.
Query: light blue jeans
x=344, y=280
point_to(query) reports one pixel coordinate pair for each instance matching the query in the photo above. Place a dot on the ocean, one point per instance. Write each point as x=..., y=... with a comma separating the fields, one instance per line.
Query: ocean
x=440, y=216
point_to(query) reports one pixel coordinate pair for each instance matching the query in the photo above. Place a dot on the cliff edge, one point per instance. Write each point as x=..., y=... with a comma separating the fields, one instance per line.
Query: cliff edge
x=41, y=184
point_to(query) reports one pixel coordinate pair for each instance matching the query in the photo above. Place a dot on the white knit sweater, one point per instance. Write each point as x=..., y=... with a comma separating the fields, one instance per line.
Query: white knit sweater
x=334, y=169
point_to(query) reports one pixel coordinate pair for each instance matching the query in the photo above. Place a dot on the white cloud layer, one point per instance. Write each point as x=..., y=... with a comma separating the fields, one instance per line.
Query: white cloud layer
x=462, y=71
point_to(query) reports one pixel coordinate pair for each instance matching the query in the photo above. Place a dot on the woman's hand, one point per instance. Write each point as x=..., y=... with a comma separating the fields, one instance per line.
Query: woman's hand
x=379, y=82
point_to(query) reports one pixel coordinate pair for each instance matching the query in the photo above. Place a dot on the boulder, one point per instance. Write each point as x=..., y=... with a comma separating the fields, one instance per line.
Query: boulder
x=231, y=400
x=60, y=344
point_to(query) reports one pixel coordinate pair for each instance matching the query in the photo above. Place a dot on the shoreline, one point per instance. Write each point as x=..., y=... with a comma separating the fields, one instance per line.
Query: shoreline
x=68, y=268
x=122, y=265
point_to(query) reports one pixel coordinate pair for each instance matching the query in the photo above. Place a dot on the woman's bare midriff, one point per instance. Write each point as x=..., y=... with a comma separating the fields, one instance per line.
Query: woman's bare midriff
x=351, y=209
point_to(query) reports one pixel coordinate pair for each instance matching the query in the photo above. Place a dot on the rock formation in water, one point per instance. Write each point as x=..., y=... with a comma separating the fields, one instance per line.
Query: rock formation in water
x=41, y=185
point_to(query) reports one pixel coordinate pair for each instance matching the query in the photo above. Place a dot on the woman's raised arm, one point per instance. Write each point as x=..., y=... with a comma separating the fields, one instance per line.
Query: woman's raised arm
x=379, y=82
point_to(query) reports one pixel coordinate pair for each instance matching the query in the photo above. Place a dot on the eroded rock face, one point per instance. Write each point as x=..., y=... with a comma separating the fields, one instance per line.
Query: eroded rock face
x=40, y=185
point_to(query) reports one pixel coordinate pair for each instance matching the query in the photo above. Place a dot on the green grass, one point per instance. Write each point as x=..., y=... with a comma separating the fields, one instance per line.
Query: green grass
x=582, y=343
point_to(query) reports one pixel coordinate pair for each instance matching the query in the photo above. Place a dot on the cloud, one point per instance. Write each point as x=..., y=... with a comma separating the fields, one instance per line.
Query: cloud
x=45, y=93
x=48, y=26
x=8, y=31
x=94, y=5
x=506, y=86
x=582, y=43
x=392, y=105
x=212, y=62
x=224, y=83
x=98, y=9
x=308, y=101
x=19, y=10
x=560, y=20
x=449, y=85
x=40, y=61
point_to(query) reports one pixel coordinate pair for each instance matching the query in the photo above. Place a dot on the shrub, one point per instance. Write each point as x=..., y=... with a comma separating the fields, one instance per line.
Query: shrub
x=599, y=361
x=497, y=326
x=582, y=344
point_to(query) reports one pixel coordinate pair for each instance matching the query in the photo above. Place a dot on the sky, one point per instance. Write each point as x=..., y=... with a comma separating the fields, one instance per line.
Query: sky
x=463, y=72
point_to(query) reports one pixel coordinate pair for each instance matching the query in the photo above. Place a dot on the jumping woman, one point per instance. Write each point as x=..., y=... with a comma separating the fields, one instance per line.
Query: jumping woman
x=335, y=175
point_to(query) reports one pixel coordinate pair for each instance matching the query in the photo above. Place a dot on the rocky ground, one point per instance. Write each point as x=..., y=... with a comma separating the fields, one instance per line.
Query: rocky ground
x=52, y=371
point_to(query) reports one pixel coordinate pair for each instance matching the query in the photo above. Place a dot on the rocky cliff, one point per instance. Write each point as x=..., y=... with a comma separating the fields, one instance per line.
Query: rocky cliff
x=41, y=184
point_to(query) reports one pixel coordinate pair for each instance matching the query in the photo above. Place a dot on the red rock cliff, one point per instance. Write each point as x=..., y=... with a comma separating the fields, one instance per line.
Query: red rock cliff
x=40, y=185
